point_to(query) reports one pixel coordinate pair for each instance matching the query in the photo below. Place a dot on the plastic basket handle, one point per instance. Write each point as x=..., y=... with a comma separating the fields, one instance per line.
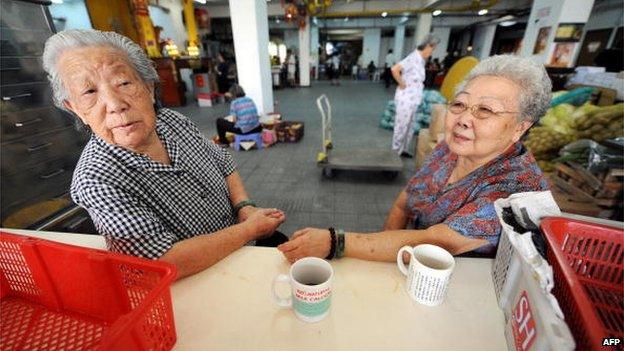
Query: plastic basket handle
x=281, y=301
x=400, y=262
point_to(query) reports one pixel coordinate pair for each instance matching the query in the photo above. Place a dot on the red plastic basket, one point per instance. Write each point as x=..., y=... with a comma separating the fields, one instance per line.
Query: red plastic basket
x=63, y=297
x=587, y=260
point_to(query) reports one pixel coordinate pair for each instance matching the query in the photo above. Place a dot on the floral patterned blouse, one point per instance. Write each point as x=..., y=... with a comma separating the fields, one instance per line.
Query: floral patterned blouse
x=467, y=206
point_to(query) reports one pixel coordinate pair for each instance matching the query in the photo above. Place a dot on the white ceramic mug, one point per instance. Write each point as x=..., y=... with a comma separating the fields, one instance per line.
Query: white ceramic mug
x=429, y=272
x=310, y=281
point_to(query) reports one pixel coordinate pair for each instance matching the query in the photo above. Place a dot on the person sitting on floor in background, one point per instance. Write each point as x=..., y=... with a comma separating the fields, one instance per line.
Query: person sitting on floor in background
x=245, y=114
x=154, y=186
x=450, y=200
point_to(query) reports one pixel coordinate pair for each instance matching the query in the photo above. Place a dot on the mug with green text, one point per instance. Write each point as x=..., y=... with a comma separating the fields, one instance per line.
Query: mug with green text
x=310, y=281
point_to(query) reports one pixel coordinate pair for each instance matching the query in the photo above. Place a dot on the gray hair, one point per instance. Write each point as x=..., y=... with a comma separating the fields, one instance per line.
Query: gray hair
x=237, y=91
x=79, y=38
x=428, y=40
x=529, y=75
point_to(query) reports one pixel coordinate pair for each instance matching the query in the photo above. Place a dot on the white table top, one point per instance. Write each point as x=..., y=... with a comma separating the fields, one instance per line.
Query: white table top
x=229, y=307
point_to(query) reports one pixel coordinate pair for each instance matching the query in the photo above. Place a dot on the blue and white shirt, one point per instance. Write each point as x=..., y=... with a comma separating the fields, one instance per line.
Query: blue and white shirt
x=246, y=113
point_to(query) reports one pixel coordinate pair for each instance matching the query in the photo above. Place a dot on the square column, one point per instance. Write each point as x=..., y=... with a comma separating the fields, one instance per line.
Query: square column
x=444, y=34
x=539, y=37
x=250, y=29
x=482, y=42
x=371, y=45
x=304, y=54
x=423, y=27
x=314, y=45
x=399, y=39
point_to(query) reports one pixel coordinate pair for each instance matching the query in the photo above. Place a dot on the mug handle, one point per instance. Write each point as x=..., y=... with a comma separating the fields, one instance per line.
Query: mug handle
x=400, y=262
x=280, y=301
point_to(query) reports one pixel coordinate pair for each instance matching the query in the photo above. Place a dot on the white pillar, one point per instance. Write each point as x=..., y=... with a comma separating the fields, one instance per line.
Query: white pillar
x=370, y=46
x=304, y=54
x=423, y=27
x=549, y=14
x=314, y=45
x=399, y=37
x=250, y=29
x=482, y=42
x=443, y=33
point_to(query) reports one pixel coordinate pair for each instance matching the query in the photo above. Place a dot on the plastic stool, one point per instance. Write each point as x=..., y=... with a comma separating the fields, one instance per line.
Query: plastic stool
x=257, y=137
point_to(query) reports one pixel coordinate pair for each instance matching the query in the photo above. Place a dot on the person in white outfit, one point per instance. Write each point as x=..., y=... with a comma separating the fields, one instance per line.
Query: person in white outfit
x=410, y=76
x=291, y=62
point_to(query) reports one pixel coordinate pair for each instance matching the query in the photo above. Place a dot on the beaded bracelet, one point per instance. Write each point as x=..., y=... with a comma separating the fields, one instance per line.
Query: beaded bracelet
x=340, y=243
x=332, y=250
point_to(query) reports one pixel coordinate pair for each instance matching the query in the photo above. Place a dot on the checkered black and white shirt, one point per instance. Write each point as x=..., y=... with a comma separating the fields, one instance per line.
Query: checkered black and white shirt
x=143, y=207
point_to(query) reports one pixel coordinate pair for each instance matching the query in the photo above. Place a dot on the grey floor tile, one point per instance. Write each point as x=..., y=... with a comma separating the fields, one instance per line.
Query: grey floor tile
x=286, y=175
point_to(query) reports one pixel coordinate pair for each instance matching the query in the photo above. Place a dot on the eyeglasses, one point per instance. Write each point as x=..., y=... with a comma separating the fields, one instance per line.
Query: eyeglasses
x=479, y=111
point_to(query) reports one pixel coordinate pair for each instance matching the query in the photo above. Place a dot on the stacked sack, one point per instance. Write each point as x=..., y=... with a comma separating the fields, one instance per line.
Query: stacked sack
x=423, y=114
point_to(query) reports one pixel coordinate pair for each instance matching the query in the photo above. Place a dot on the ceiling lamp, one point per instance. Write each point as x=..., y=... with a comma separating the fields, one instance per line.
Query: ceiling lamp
x=482, y=12
x=436, y=12
x=507, y=23
x=384, y=14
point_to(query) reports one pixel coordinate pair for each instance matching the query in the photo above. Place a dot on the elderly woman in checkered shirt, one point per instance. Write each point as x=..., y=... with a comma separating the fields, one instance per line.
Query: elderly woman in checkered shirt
x=154, y=186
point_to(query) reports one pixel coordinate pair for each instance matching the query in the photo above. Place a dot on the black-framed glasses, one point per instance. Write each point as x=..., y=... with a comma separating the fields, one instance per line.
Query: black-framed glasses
x=479, y=111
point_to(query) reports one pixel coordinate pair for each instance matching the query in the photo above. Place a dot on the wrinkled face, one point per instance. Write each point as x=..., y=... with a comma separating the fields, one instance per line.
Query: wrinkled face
x=484, y=139
x=108, y=95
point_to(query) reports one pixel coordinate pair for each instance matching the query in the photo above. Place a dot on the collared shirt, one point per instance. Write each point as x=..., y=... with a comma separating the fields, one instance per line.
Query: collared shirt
x=467, y=206
x=143, y=207
x=246, y=113
x=413, y=70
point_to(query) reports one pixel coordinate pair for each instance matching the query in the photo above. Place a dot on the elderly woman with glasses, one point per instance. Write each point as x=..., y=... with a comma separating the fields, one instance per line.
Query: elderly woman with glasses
x=449, y=201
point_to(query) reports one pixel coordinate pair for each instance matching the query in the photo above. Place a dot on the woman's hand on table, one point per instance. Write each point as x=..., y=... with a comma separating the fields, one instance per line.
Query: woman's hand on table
x=264, y=221
x=307, y=242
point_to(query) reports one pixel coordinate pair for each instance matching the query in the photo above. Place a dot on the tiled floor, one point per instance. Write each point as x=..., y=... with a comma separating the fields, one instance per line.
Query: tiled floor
x=285, y=176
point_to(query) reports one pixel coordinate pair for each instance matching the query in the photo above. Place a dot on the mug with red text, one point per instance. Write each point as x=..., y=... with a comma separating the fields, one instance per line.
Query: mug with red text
x=310, y=281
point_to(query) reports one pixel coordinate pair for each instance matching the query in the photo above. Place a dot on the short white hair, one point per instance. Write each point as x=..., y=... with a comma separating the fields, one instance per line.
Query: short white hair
x=79, y=38
x=529, y=75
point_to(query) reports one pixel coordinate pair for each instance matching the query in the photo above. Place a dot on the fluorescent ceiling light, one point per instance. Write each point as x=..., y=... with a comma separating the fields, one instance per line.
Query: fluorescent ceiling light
x=507, y=23
x=384, y=14
x=57, y=1
x=203, y=2
x=482, y=12
x=436, y=12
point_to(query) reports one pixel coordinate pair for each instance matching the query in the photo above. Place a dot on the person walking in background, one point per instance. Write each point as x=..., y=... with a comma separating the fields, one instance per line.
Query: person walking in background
x=388, y=65
x=371, y=70
x=354, y=71
x=334, y=62
x=291, y=67
x=410, y=75
x=222, y=73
